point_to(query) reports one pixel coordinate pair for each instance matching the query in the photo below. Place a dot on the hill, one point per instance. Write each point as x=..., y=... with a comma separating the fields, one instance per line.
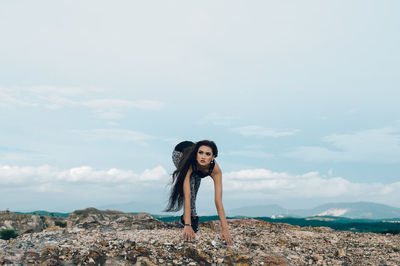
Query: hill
x=355, y=210
x=95, y=237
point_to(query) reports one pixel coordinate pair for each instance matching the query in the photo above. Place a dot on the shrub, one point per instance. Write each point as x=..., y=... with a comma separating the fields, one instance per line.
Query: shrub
x=7, y=234
x=60, y=224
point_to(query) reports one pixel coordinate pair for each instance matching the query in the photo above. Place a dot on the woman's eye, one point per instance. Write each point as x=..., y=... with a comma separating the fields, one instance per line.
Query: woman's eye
x=200, y=152
x=208, y=154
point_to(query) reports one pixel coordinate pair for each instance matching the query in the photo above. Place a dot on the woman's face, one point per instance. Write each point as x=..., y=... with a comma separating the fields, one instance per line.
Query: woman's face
x=204, y=155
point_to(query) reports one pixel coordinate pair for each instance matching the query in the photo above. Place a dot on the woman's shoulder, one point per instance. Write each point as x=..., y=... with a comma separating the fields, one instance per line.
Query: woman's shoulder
x=216, y=169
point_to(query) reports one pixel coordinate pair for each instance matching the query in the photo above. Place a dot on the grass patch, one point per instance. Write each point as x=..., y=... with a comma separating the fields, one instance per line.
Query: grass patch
x=8, y=234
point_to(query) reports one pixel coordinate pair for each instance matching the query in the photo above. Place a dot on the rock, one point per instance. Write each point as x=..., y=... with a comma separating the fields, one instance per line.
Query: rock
x=144, y=261
x=23, y=223
x=176, y=262
x=196, y=255
x=270, y=260
x=340, y=253
x=95, y=237
x=30, y=257
x=93, y=218
x=232, y=257
x=317, y=258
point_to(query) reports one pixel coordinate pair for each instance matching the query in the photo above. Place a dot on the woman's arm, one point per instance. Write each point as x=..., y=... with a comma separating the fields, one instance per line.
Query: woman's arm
x=217, y=177
x=188, y=233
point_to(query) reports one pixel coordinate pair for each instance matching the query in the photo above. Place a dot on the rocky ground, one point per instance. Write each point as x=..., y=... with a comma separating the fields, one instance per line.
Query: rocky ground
x=93, y=237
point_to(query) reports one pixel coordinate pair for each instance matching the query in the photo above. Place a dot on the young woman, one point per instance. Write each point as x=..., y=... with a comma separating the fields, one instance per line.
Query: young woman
x=193, y=162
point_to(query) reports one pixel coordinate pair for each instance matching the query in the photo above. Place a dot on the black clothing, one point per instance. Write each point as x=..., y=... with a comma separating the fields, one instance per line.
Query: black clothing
x=183, y=145
x=194, y=222
x=195, y=178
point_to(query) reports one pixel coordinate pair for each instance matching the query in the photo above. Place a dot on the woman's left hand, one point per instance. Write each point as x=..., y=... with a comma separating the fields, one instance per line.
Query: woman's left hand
x=227, y=237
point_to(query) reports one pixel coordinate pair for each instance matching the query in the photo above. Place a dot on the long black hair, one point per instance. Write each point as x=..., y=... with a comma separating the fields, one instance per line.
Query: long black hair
x=176, y=198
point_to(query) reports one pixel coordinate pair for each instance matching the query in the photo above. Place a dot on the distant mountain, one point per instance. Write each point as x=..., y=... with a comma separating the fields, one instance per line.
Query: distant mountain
x=134, y=206
x=259, y=211
x=355, y=210
x=359, y=210
x=46, y=213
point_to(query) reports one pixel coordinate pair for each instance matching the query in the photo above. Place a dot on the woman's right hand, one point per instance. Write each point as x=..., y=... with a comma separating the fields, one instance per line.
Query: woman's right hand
x=188, y=233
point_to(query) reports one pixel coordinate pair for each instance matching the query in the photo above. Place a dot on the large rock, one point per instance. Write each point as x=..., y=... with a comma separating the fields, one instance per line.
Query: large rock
x=25, y=223
x=94, y=218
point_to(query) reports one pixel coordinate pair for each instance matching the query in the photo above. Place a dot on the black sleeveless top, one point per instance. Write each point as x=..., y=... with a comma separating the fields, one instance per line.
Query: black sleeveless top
x=200, y=173
x=195, y=180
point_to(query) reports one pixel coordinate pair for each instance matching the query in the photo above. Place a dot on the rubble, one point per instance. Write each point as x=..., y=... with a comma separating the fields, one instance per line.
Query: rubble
x=94, y=237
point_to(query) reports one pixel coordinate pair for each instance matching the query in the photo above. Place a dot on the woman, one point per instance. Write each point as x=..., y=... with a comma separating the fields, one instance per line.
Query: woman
x=193, y=162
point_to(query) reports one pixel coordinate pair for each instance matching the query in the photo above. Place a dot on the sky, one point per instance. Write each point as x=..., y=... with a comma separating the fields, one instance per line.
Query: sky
x=301, y=98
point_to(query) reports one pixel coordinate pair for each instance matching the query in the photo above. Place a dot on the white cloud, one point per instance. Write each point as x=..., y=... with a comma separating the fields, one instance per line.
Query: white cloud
x=115, y=108
x=259, y=131
x=48, y=187
x=48, y=176
x=248, y=185
x=269, y=185
x=380, y=145
x=116, y=135
x=333, y=212
x=109, y=115
x=219, y=120
x=58, y=91
x=63, y=97
x=251, y=154
x=7, y=98
x=122, y=104
x=330, y=172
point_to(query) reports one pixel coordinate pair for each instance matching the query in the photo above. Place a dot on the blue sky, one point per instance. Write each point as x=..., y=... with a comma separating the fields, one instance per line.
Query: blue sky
x=300, y=97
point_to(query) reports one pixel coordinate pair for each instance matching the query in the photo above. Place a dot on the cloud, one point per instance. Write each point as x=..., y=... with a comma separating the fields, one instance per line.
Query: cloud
x=8, y=99
x=264, y=184
x=52, y=176
x=251, y=154
x=115, y=108
x=219, y=120
x=115, y=135
x=259, y=131
x=122, y=104
x=380, y=145
x=333, y=212
x=64, y=97
x=49, y=187
x=85, y=183
x=58, y=91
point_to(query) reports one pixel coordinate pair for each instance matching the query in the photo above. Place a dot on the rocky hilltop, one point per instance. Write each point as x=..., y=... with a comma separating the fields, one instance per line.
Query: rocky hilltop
x=94, y=237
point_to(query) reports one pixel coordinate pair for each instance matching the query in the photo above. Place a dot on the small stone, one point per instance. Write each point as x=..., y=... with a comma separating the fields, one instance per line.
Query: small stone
x=144, y=261
x=317, y=257
x=340, y=253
